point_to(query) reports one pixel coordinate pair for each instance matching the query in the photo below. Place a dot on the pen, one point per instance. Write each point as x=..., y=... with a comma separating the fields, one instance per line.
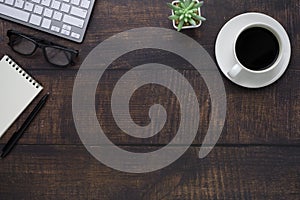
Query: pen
x=17, y=135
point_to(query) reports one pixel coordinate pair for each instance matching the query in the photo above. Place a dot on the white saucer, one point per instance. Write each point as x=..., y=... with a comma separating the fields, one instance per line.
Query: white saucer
x=225, y=56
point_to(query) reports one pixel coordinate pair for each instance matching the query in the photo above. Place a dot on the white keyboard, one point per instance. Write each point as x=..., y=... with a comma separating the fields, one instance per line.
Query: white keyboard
x=64, y=18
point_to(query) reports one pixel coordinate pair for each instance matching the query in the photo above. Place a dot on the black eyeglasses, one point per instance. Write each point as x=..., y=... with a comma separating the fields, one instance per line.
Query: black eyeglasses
x=54, y=53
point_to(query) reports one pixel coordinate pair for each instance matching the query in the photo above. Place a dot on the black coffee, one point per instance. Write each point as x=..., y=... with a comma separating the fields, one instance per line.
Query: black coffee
x=257, y=48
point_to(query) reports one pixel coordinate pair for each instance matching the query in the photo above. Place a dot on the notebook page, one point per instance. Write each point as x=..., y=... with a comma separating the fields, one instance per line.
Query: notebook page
x=17, y=90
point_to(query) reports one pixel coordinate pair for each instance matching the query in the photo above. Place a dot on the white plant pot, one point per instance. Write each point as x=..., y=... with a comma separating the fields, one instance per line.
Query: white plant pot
x=186, y=27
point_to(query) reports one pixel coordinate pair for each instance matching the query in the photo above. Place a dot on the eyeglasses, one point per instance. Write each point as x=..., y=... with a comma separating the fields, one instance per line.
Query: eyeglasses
x=55, y=54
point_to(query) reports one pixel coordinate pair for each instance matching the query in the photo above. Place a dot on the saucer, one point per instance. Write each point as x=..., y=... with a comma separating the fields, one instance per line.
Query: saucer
x=225, y=56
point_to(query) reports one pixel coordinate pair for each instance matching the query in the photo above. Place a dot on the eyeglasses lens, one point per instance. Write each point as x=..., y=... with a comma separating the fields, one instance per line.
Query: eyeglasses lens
x=55, y=54
x=22, y=45
x=58, y=56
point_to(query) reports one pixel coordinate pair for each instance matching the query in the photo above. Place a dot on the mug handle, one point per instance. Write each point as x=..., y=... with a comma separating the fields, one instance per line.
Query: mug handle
x=235, y=70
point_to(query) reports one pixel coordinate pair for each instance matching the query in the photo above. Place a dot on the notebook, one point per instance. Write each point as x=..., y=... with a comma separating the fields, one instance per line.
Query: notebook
x=17, y=90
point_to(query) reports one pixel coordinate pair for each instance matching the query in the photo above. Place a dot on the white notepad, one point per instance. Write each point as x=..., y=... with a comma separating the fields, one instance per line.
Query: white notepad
x=17, y=90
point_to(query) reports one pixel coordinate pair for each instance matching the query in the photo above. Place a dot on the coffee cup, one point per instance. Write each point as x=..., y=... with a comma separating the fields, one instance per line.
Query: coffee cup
x=257, y=49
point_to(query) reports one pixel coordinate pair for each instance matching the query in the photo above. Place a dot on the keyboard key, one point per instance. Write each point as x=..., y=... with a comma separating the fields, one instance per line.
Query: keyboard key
x=35, y=19
x=65, y=32
x=65, y=8
x=36, y=1
x=46, y=2
x=85, y=4
x=19, y=3
x=75, y=2
x=46, y=23
x=55, y=28
x=78, y=12
x=28, y=6
x=38, y=9
x=14, y=13
x=75, y=35
x=9, y=2
x=48, y=12
x=55, y=4
x=66, y=27
x=73, y=21
x=57, y=15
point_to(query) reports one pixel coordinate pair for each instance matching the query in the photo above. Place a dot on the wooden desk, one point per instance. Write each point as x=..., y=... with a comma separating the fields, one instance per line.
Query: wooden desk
x=257, y=156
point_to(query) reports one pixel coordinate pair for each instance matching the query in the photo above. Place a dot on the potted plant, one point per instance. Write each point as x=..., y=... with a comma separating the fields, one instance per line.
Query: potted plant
x=186, y=14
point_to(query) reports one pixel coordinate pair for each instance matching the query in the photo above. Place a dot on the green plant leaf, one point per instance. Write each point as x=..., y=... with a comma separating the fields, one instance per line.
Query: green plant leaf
x=182, y=5
x=186, y=15
x=190, y=6
x=181, y=17
x=187, y=3
x=194, y=10
x=198, y=5
x=195, y=16
x=180, y=25
x=202, y=18
x=173, y=17
x=198, y=17
x=173, y=7
x=190, y=11
x=192, y=22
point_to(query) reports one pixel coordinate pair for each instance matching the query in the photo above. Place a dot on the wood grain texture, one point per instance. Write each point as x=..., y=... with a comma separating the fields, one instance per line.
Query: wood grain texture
x=257, y=156
x=266, y=116
x=69, y=172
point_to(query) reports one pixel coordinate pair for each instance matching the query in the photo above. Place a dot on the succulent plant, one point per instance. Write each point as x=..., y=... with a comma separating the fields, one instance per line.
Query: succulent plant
x=186, y=12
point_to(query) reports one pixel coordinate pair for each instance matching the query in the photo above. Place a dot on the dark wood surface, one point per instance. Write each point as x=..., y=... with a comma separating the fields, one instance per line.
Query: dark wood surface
x=256, y=157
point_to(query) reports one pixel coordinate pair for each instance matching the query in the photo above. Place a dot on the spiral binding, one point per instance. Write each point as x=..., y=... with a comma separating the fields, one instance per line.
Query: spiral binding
x=22, y=72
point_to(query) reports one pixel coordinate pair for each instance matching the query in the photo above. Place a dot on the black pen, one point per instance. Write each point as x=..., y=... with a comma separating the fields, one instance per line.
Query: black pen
x=17, y=135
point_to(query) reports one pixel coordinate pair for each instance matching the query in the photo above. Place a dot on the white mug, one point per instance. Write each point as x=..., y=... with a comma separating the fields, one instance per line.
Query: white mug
x=238, y=67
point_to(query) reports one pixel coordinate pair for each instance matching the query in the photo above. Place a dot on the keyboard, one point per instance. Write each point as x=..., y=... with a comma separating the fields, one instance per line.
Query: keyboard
x=63, y=18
